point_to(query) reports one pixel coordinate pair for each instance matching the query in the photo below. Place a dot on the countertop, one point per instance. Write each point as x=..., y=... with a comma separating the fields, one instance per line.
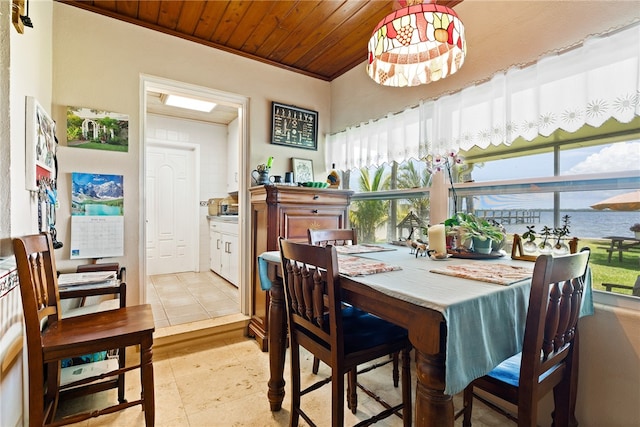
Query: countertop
x=223, y=218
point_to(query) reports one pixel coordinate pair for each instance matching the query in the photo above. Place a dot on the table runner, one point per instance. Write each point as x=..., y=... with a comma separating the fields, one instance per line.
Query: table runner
x=361, y=249
x=501, y=274
x=348, y=265
x=358, y=266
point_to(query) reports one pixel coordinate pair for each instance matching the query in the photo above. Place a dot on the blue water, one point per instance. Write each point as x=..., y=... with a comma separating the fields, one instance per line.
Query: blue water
x=104, y=210
x=586, y=224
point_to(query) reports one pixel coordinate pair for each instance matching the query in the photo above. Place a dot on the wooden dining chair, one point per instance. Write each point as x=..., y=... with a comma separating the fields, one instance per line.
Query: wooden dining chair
x=548, y=360
x=118, y=294
x=85, y=292
x=335, y=236
x=342, y=237
x=51, y=339
x=341, y=336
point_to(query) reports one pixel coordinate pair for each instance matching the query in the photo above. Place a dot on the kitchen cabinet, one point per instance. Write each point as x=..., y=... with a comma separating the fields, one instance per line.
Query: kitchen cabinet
x=233, y=157
x=224, y=249
x=286, y=211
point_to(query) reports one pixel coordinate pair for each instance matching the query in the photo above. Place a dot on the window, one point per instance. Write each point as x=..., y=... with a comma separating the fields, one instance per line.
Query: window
x=526, y=189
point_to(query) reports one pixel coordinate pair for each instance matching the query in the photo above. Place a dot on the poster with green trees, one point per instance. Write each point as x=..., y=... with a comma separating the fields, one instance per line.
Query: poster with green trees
x=97, y=129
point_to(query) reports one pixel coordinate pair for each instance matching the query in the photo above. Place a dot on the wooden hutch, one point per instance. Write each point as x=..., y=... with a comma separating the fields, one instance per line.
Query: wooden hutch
x=287, y=211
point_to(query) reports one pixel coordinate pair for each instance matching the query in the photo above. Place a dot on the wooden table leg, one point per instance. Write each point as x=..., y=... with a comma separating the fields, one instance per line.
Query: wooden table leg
x=611, y=249
x=277, y=343
x=620, y=250
x=433, y=407
x=146, y=373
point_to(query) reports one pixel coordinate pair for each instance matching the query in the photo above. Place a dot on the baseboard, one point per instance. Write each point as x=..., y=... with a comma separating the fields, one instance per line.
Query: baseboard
x=168, y=340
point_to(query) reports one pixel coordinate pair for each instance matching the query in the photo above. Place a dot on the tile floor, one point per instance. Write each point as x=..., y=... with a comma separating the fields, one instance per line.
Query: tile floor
x=180, y=298
x=225, y=384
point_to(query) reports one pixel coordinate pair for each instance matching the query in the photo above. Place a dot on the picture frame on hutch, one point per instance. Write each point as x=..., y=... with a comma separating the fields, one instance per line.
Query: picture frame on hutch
x=302, y=170
x=294, y=126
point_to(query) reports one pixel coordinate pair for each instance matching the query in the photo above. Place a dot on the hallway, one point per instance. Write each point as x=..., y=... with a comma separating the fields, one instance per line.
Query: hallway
x=179, y=298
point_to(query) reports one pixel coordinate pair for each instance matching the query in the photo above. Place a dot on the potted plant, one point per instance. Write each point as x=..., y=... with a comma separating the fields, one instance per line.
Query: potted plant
x=530, y=235
x=455, y=239
x=484, y=233
x=561, y=248
x=636, y=229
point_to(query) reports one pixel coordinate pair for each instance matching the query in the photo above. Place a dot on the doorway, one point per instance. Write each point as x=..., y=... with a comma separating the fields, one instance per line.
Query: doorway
x=163, y=254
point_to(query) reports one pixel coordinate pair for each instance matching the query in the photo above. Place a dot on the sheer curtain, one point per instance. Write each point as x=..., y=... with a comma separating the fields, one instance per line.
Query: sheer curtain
x=585, y=85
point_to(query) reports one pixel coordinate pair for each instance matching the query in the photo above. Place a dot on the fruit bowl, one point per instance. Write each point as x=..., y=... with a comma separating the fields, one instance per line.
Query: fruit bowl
x=315, y=184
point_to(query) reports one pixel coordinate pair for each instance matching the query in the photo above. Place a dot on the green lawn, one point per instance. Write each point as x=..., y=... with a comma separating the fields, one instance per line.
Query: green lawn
x=624, y=273
x=104, y=147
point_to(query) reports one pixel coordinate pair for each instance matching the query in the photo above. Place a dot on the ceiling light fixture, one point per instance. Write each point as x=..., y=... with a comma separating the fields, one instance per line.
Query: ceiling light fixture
x=417, y=44
x=188, y=103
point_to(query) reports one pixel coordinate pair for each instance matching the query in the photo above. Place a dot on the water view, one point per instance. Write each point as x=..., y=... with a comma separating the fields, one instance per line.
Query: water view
x=586, y=223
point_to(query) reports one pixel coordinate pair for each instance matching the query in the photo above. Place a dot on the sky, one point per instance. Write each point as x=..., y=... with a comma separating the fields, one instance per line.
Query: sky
x=622, y=156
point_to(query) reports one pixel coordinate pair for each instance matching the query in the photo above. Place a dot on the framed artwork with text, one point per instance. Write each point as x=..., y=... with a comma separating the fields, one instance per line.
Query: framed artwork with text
x=294, y=126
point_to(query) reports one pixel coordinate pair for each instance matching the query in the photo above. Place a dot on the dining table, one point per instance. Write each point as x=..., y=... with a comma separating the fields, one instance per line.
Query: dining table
x=464, y=315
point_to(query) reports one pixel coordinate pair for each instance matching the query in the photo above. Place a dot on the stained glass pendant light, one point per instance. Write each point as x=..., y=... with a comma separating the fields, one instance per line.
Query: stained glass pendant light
x=417, y=44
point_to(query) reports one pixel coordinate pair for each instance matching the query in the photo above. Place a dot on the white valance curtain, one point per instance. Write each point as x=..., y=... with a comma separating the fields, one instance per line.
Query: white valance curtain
x=586, y=85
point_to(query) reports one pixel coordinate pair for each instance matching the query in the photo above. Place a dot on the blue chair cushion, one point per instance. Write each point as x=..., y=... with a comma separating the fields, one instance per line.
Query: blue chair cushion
x=509, y=371
x=363, y=330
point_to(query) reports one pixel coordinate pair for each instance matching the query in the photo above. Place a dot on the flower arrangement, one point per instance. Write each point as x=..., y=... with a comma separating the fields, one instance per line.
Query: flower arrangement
x=439, y=163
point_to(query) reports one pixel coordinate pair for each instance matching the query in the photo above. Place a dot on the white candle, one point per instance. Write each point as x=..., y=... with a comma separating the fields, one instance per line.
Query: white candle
x=437, y=239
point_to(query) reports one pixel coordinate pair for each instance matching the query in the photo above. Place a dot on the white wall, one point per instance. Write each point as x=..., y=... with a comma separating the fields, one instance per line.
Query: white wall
x=30, y=75
x=97, y=63
x=609, y=380
x=26, y=62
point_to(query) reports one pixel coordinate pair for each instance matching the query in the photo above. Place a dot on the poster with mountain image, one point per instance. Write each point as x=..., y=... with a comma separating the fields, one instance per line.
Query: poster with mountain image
x=97, y=215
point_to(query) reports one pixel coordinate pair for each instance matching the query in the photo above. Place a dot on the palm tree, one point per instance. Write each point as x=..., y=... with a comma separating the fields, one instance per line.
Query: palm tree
x=411, y=177
x=366, y=215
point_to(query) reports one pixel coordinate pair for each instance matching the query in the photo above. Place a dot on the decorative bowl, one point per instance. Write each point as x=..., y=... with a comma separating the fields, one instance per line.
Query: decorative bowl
x=315, y=184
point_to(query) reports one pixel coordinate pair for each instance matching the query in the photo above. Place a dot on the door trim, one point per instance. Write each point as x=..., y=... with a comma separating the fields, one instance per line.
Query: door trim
x=242, y=102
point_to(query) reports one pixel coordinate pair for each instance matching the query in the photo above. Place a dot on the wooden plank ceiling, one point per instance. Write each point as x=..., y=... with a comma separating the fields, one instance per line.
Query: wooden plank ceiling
x=322, y=39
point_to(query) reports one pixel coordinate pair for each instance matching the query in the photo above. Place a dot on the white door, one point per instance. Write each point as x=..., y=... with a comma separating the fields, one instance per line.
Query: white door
x=171, y=206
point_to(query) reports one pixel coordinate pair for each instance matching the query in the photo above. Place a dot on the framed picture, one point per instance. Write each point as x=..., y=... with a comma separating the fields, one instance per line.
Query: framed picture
x=302, y=170
x=294, y=126
x=97, y=129
x=40, y=148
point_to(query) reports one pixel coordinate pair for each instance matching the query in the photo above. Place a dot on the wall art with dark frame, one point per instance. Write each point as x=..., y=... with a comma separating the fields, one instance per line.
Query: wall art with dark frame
x=294, y=126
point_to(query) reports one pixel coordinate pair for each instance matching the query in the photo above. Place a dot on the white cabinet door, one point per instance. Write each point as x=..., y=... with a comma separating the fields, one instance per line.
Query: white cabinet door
x=215, y=241
x=231, y=261
x=233, y=157
x=224, y=249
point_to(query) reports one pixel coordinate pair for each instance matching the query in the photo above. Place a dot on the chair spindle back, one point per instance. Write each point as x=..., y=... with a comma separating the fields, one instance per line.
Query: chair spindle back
x=554, y=307
x=335, y=237
x=312, y=288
